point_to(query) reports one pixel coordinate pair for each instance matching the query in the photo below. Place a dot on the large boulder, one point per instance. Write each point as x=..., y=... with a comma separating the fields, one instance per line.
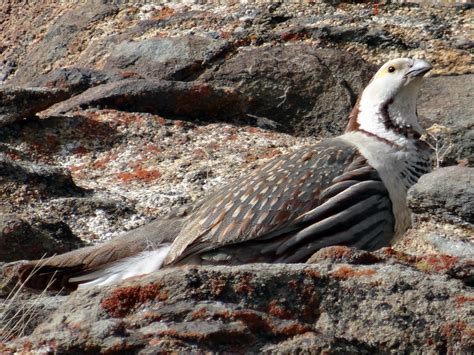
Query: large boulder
x=308, y=90
x=442, y=218
x=18, y=103
x=174, y=58
x=20, y=239
x=446, y=194
x=446, y=101
x=380, y=307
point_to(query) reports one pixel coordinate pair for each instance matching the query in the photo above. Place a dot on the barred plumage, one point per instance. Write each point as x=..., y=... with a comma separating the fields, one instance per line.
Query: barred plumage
x=349, y=190
x=311, y=188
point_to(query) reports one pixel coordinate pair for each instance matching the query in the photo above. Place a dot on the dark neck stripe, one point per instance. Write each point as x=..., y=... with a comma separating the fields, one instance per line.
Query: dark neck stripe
x=393, y=144
x=390, y=125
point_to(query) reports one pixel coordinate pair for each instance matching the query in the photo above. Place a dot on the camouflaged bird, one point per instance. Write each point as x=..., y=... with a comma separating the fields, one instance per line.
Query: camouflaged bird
x=349, y=190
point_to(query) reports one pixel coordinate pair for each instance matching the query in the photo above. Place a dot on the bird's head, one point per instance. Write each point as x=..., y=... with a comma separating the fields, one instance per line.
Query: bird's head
x=387, y=106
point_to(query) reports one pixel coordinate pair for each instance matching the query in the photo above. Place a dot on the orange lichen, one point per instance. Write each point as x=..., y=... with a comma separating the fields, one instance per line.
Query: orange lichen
x=80, y=150
x=199, y=153
x=75, y=326
x=102, y=162
x=129, y=74
x=225, y=34
x=231, y=137
x=179, y=123
x=271, y=153
x=278, y=311
x=294, y=328
x=122, y=300
x=162, y=121
x=244, y=285
x=140, y=174
x=153, y=316
x=218, y=286
x=164, y=13
x=74, y=168
x=154, y=342
x=313, y=274
x=436, y=263
x=456, y=330
x=152, y=148
x=345, y=272
x=253, y=321
x=12, y=155
x=253, y=130
x=201, y=313
x=293, y=284
x=460, y=300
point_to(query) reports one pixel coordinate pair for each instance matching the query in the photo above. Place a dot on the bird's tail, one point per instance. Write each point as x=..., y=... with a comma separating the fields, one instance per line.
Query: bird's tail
x=137, y=252
x=141, y=264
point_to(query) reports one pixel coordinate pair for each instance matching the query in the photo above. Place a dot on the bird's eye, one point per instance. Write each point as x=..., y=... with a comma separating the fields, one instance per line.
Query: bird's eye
x=391, y=69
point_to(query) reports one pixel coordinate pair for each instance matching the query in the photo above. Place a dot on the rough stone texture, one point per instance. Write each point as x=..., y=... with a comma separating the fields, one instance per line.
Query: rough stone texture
x=18, y=103
x=48, y=180
x=294, y=84
x=441, y=203
x=108, y=163
x=66, y=37
x=400, y=304
x=37, y=38
x=166, y=98
x=175, y=58
x=74, y=80
x=447, y=193
x=447, y=101
x=22, y=240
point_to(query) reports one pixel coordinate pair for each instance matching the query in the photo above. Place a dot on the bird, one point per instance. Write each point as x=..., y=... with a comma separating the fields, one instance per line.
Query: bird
x=348, y=190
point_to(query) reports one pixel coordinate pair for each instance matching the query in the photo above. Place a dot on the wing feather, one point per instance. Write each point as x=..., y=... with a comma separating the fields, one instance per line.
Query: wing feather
x=279, y=200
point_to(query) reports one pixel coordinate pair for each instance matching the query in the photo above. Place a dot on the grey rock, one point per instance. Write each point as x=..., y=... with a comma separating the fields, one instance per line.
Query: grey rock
x=17, y=103
x=168, y=98
x=447, y=101
x=20, y=239
x=174, y=58
x=372, y=37
x=51, y=180
x=61, y=37
x=75, y=80
x=7, y=68
x=451, y=247
x=375, y=308
x=446, y=193
x=308, y=90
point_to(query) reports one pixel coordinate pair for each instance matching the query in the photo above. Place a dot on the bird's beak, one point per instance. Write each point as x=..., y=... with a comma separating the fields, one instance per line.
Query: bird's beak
x=419, y=68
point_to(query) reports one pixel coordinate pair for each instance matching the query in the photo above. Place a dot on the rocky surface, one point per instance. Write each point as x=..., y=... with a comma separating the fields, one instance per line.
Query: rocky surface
x=445, y=105
x=113, y=115
x=447, y=193
x=442, y=213
x=381, y=303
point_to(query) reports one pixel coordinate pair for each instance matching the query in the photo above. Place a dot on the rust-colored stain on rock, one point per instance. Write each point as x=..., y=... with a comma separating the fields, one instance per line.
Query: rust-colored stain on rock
x=123, y=300
x=345, y=272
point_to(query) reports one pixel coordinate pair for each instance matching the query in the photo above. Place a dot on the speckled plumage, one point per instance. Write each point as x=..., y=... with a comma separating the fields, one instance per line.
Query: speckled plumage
x=277, y=202
x=350, y=190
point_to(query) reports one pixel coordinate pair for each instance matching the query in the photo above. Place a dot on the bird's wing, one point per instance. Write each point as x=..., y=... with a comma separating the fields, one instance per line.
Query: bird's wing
x=279, y=203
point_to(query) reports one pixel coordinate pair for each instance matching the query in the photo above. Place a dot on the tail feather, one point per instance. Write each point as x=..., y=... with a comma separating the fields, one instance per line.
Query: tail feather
x=141, y=264
x=137, y=252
